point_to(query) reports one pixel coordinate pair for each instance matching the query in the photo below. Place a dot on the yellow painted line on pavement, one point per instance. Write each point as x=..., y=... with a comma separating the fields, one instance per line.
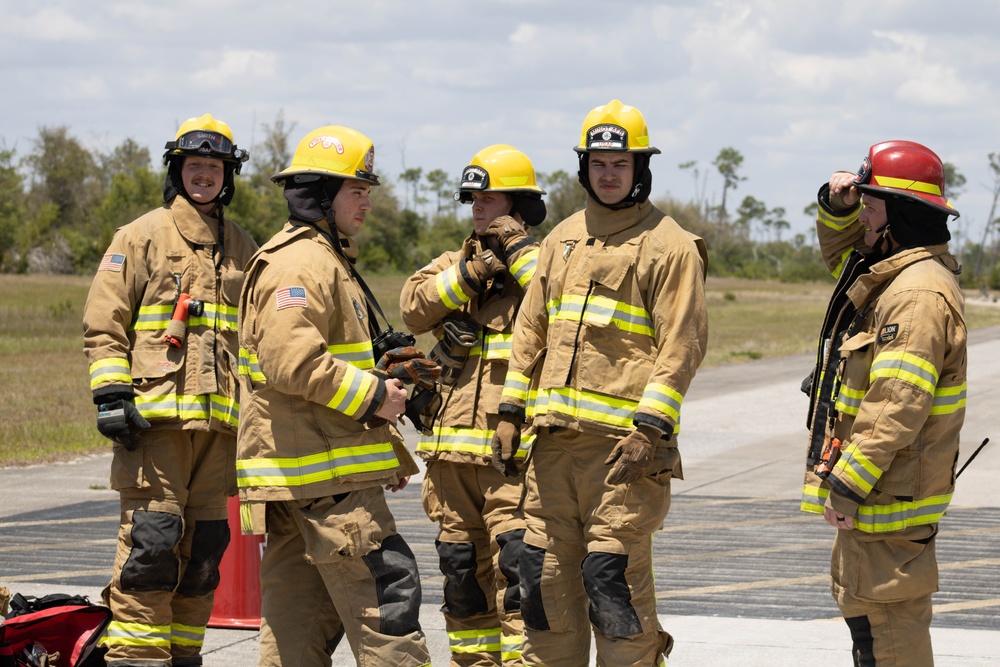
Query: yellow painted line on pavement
x=59, y=522
x=812, y=579
x=52, y=546
x=965, y=606
x=45, y=576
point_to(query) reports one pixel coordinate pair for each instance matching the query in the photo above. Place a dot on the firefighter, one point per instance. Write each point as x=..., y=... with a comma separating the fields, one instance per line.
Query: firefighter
x=160, y=334
x=608, y=338
x=317, y=441
x=888, y=397
x=469, y=298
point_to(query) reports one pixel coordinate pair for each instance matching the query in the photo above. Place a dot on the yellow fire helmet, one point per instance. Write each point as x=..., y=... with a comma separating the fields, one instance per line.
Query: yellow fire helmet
x=208, y=137
x=498, y=168
x=615, y=127
x=332, y=150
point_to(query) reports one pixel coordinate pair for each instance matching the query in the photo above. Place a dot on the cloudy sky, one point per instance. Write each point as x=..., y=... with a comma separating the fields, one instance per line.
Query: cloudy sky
x=799, y=88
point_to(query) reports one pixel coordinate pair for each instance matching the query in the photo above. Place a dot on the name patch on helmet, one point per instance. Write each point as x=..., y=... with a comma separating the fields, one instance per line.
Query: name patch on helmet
x=888, y=333
x=474, y=178
x=328, y=142
x=607, y=137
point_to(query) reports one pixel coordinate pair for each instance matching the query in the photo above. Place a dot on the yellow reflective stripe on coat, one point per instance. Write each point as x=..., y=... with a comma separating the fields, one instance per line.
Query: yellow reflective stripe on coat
x=907, y=367
x=498, y=347
x=585, y=405
x=849, y=400
x=201, y=407
x=250, y=366
x=663, y=399
x=858, y=468
x=477, y=441
x=813, y=499
x=900, y=515
x=843, y=260
x=136, y=634
x=352, y=391
x=510, y=647
x=836, y=222
x=449, y=288
x=360, y=355
x=601, y=310
x=316, y=468
x=153, y=318
x=948, y=400
x=516, y=386
x=486, y=640
x=113, y=369
x=187, y=635
x=225, y=315
x=523, y=269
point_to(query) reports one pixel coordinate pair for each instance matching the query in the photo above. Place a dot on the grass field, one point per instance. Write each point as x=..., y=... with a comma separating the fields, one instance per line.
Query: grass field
x=46, y=413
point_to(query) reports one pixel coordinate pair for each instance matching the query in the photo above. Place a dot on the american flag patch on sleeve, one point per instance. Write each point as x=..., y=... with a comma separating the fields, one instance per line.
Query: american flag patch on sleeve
x=112, y=261
x=291, y=297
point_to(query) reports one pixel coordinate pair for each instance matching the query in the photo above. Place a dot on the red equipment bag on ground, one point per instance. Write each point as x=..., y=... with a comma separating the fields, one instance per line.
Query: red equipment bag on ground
x=36, y=629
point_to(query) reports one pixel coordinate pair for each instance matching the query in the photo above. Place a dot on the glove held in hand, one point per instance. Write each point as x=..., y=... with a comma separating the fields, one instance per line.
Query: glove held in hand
x=632, y=456
x=506, y=442
x=121, y=422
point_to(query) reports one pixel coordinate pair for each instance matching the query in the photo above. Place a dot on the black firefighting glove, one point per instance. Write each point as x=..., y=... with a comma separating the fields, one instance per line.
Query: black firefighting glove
x=483, y=266
x=119, y=420
x=409, y=365
x=510, y=235
x=632, y=455
x=506, y=442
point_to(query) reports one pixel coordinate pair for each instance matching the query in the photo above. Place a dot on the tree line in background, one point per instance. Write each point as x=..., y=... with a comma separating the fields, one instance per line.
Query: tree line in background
x=60, y=204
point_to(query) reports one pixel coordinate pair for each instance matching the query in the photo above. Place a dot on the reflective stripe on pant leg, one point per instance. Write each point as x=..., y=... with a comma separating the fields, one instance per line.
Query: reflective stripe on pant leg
x=394, y=568
x=861, y=633
x=611, y=608
x=201, y=575
x=530, y=568
x=463, y=597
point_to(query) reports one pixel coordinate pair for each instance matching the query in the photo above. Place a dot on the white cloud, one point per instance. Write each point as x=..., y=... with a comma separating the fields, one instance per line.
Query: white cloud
x=48, y=25
x=236, y=65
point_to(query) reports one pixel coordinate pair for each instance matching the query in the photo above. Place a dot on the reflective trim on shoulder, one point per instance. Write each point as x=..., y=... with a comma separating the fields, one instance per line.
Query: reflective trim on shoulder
x=907, y=367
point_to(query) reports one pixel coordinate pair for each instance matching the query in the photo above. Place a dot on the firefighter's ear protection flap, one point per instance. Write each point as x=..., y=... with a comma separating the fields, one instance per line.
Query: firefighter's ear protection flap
x=172, y=184
x=531, y=209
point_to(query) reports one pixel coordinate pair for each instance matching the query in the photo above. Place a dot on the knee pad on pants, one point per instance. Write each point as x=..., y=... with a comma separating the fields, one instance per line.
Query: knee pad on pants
x=397, y=583
x=463, y=596
x=611, y=608
x=530, y=567
x=152, y=564
x=511, y=544
x=208, y=544
x=863, y=650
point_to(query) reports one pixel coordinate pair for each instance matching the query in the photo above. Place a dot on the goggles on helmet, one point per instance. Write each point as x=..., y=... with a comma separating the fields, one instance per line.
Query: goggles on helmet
x=206, y=141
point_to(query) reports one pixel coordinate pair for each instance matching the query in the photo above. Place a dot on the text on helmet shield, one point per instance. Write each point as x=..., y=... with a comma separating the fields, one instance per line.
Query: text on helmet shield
x=327, y=142
x=370, y=159
x=607, y=137
x=474, y=178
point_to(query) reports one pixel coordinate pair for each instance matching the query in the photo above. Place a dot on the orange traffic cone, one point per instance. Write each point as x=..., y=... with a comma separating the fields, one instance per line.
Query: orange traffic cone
x=237, y=599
